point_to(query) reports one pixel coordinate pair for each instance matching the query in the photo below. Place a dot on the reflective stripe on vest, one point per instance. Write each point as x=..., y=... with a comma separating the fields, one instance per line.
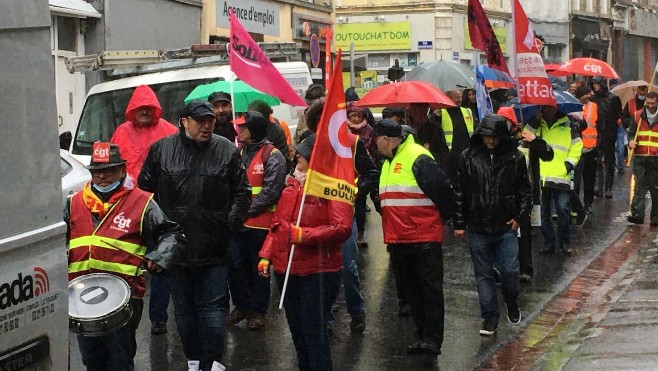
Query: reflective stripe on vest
x=590, y=115
x=256, y=174
x=647, y=139
x=408, y=215
x=446, y=124
x=559, y=138
x=115, y=245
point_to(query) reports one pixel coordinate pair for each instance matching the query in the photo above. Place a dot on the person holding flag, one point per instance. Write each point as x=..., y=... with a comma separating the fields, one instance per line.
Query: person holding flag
x=315, y=275
x=417, y=198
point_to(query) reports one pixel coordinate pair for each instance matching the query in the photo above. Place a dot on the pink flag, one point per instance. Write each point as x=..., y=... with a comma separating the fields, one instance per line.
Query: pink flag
x=252, y=66
x=534, y=86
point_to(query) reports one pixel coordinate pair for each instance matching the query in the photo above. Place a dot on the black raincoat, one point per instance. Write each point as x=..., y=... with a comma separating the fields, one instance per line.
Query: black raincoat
x=201, y=186
x=492, y=186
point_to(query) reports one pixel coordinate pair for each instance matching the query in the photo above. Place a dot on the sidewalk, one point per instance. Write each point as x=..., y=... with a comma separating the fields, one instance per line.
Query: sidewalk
x=606, y=319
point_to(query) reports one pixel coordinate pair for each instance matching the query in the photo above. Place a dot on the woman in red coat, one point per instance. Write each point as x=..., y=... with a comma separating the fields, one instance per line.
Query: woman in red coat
x=315, y=274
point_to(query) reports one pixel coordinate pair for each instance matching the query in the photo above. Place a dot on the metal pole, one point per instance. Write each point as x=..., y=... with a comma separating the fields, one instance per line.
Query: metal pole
x=292, y=252
x=352, y=73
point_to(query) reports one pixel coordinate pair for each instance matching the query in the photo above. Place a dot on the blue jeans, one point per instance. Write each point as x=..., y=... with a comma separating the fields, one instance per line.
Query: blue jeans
x=500, y=250
x=356, y=306
x=115, y=350
x=308, y=309
x=621, y=147
x=249, y=291
x=160, y=297
x=199, y=294
x=559, y=197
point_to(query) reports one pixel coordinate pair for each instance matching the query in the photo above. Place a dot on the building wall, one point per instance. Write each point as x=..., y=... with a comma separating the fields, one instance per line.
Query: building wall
x=209, y=19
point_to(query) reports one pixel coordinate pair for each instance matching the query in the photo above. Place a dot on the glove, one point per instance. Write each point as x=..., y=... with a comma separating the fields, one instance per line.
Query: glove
x=264, y=267
x=568, y=165
x=296, y=234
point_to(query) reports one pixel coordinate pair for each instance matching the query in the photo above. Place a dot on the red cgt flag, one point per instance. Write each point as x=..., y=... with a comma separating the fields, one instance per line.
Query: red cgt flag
x=534, y=86
x=331, y=172
x=483, y=37
x=251, y=65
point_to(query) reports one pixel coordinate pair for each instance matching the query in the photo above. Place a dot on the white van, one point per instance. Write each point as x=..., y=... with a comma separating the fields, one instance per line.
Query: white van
x=105, y=106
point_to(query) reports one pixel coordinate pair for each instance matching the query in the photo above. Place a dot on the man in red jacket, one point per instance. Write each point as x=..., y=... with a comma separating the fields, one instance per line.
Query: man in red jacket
x=134, y=137
x=143, y=127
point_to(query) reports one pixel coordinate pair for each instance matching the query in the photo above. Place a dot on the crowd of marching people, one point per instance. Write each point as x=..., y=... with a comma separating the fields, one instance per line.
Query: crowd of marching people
x=213, y=221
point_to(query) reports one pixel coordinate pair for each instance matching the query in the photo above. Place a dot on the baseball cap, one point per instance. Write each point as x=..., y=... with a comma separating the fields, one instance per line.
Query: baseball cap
x=219, y=96
x=387, y=127
x=197, y=109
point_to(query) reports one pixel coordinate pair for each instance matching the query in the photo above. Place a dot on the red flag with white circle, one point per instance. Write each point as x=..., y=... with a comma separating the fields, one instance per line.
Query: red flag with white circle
x=331, y=173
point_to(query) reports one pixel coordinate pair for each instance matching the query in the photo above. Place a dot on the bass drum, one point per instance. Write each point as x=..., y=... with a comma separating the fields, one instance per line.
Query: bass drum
x=98, y=304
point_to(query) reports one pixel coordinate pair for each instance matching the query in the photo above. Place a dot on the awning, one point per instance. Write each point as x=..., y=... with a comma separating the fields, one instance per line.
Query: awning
x=73, y=8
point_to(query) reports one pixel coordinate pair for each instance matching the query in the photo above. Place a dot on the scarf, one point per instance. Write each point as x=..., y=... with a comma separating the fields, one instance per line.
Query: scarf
x=300, y=176
x=97, y=206
x=356, y=127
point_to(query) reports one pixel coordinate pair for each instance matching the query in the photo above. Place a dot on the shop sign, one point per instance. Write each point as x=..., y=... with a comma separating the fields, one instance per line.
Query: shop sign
x=424, y=45
x=255, y=16
x=500, y=32
x=304, y=26
x=373, y=36
x=379, y=60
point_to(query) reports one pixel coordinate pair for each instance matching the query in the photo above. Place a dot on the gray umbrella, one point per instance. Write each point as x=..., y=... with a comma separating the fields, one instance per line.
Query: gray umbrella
x=445, y=75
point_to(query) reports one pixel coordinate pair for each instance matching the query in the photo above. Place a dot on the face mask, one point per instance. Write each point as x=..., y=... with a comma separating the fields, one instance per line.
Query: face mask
x=641, y=97
x=107, y=189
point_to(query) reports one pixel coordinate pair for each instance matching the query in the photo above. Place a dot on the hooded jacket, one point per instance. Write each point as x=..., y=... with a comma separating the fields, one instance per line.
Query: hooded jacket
x=133, y=140
x=201, y=186
x=609, y=112
x=492, y=186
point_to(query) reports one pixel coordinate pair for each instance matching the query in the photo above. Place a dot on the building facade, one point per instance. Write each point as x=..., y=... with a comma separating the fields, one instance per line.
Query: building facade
x=635, y=49
x=272, y=21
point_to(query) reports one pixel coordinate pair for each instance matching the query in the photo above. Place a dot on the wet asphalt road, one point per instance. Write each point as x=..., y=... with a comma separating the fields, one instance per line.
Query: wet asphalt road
x=383, y=344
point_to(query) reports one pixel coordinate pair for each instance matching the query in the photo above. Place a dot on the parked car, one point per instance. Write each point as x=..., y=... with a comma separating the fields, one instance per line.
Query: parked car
x=74, y=174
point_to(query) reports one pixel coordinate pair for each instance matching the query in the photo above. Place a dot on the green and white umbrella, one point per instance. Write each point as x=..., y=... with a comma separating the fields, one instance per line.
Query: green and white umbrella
x=243, y=94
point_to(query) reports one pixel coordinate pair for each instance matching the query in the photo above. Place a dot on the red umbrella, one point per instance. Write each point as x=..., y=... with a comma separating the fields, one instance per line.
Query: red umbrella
x=402, y=94
x=550, y=67
x=586, y=67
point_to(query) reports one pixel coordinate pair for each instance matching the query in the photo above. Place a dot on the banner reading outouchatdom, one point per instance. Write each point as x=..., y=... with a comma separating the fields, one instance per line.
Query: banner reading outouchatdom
x=373, y=36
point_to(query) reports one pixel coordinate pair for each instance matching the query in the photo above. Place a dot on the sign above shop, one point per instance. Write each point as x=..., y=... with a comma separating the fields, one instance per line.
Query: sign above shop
x=304, y=26
x=255, y=15
x=424, y=45
x=500, y=32
x=373, y=36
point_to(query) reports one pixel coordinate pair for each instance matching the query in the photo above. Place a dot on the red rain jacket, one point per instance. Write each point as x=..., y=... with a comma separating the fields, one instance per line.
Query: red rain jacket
x=325, y=226
x=134, y=141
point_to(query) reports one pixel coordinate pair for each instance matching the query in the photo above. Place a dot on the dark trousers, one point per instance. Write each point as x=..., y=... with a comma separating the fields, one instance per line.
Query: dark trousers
x=249, y=291
x=308, y=310
x=199, y=294
x=585, y=174
x=559, y=198
x=397, y=265
x=160, y=297
x=645, y=169
x=114, y=351
x=525, y=247
x=606, y=151
x=423, y=280
x=360, y=211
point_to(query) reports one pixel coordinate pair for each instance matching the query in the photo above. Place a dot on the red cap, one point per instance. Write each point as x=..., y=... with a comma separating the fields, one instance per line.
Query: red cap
x=240, y=120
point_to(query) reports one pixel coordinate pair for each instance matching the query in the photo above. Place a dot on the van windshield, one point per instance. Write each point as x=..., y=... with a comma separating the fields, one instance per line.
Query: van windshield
x=104, y=112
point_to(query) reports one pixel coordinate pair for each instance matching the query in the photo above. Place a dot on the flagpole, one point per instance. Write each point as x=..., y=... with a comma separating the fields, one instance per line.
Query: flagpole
x=232, y=101
x=637, y=124
x=516, y=61
x=292, y=251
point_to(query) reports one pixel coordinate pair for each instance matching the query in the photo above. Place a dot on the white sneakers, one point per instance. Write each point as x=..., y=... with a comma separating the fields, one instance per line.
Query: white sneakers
x=195, y=365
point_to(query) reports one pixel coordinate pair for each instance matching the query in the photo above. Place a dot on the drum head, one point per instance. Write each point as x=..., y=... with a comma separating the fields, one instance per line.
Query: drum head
x=97, y=295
